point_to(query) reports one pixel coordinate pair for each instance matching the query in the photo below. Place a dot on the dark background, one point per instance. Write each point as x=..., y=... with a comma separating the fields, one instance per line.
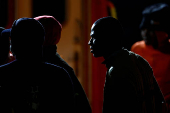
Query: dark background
x=50, y=7
x=40, y=7
x=3, y=13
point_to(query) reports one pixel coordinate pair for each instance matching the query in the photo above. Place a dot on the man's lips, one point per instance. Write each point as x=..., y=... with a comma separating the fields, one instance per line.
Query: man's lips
x=91, y=49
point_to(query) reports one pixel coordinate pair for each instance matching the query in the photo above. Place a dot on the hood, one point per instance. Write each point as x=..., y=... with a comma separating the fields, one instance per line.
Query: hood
x=52, y=29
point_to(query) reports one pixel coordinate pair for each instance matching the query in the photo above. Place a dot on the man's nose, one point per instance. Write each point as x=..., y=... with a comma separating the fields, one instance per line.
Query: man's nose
x=89, y=43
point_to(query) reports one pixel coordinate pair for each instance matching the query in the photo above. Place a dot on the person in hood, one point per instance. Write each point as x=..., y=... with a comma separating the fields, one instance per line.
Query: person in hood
x=52, y=36
x=155, y=46
x=130, y=85
x=29, y=85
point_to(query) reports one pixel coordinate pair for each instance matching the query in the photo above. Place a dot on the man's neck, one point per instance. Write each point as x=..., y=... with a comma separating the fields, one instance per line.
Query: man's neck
x=49, y=50
x=109, y=53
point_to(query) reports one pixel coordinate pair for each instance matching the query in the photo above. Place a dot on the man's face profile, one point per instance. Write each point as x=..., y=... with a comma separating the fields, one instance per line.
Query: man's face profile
x=106, y=34
x=95, y=42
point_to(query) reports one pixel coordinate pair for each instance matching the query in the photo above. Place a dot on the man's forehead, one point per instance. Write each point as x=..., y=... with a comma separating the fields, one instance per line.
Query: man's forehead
x=96, y=32
x=94, y=29
x=93, y=26
x=97, y=27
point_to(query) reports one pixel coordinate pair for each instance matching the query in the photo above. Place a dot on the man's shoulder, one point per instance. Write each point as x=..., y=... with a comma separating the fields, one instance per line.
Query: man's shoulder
x=40, y=67
x=47, y=64
x=59, y=61
x=138, y=59
x=53, y=67
x=138, y=46
x=42, y=71
x=114, y=72
x=111, y=70
x=7, y=65
x=128, y=60
x=141, y=64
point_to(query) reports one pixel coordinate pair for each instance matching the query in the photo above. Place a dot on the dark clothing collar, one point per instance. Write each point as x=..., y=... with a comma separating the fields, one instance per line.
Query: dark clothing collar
x=49, y=51
x=113, y=57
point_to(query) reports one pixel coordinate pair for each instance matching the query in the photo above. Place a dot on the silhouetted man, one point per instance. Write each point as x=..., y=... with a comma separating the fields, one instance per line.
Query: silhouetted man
x=53, y=34
x=28, y=85
x=130, y=86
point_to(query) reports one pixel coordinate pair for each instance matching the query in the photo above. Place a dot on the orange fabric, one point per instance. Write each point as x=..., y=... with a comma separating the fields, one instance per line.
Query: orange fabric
x=163, y=41
x=160, y=63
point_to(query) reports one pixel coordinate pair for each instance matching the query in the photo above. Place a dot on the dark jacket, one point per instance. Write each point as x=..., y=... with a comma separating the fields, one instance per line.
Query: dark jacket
x=30, y=87
x=82, y=103
x=130, y=86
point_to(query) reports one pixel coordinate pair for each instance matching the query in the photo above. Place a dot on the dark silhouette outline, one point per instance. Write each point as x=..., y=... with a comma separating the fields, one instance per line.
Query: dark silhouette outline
x=53, y=34
x=28, y=84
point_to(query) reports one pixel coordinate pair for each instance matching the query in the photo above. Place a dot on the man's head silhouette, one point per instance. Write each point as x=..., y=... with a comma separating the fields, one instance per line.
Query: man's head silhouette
x=27, y=37
x=106, y=36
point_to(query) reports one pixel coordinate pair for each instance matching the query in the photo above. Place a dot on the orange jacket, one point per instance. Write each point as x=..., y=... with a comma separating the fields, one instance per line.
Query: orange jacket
x=160, y=63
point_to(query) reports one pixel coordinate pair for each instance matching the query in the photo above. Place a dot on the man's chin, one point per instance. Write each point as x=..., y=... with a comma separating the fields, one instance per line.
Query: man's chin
x=97, y=55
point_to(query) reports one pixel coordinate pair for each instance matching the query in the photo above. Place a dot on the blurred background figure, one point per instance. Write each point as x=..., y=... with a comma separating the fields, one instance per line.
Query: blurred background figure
x=5, y=54
x=155, y=46
x=52, y=36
